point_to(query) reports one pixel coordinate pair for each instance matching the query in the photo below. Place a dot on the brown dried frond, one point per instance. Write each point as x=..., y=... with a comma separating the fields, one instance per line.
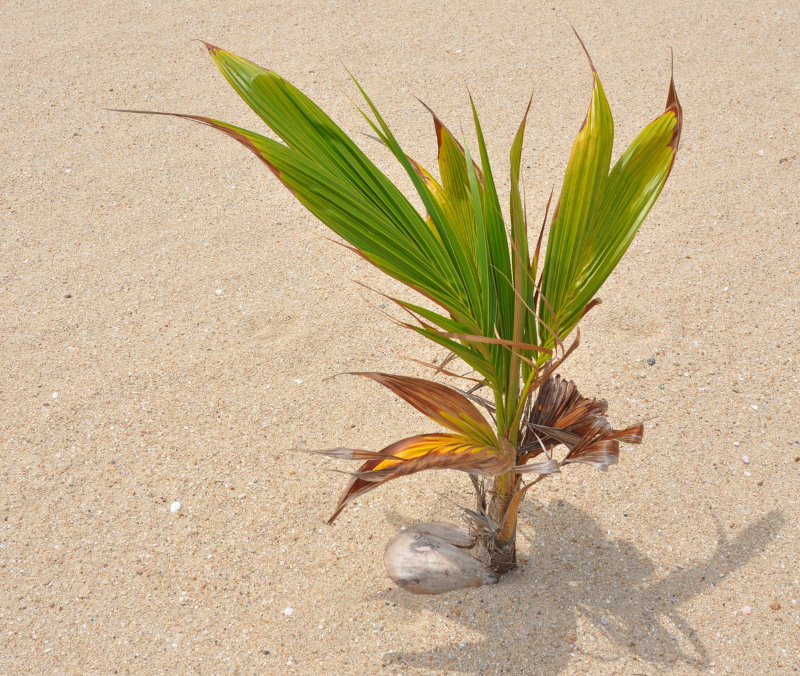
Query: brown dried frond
x=562, y=415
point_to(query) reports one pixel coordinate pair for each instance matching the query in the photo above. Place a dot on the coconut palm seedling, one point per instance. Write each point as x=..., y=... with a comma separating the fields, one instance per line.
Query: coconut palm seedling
x=501, y=303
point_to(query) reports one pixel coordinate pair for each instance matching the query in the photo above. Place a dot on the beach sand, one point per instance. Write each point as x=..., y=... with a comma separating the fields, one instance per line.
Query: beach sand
x=171, y=320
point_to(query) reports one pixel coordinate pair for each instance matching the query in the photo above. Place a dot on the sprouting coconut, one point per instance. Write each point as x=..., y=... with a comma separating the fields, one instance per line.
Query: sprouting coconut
x=501, y=308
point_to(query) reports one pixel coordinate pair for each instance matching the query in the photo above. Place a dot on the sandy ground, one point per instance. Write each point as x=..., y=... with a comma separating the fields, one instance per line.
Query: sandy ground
x=170, y=319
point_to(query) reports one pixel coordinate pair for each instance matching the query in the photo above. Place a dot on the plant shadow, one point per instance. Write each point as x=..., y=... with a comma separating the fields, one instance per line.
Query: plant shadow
x=579, y=585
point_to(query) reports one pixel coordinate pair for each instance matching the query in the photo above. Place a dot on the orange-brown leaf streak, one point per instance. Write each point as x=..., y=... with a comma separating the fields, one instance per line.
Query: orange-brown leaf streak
x=474, y=459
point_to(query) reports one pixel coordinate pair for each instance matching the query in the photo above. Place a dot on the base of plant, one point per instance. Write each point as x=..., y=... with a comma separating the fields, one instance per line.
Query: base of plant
x=503, y=556
x=437, y=557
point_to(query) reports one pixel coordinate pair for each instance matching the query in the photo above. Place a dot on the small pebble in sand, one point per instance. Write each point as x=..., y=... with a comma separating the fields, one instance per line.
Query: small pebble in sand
x=218, y=292
x=760, y=153
x=745, y=460
x=747, y=610
x=754, y=407
x=288, y=612
x=55, y=395
x=736, y=443
x=299, y=381
x=174, y=507
x=775, y=605
x=651, y=361
x=747, y=473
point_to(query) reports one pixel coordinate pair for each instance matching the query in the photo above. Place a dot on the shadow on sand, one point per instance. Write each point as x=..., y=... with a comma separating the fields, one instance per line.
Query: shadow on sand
x=578, y=574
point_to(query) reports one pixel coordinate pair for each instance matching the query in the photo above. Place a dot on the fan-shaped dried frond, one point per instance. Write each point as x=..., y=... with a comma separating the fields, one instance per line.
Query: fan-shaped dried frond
x=562, y=415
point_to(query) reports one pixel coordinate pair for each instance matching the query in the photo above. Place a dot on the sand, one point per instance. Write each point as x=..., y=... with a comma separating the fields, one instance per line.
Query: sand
x=172, y=318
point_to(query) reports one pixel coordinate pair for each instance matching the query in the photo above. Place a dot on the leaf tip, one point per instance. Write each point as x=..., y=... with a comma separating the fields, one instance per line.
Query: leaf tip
x=437, y=123
x=673, y=104
x=585, y=51
x=590, y=305
x=213, y=49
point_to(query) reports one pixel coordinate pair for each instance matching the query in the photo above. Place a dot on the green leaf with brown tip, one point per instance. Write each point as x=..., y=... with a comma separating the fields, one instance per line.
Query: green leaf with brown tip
x=455, y=185
x=583, y=183
x=600, y=212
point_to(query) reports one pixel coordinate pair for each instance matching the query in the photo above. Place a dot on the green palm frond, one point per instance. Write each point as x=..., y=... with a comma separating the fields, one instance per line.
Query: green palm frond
x=599, y=211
